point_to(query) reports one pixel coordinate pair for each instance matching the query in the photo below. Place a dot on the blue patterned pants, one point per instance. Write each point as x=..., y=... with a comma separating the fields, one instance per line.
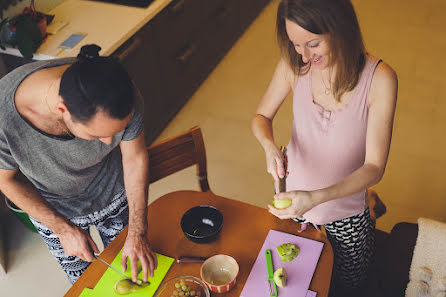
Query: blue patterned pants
x=109, y=222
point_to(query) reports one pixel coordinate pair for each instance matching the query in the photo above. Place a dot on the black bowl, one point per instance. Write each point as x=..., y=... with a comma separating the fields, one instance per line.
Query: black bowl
x=201, y=224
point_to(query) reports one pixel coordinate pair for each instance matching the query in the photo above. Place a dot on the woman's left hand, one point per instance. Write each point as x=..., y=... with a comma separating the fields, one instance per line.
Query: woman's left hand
x=302, y=202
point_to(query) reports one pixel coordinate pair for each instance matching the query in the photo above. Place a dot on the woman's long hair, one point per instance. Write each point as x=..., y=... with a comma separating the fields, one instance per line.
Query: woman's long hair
x=336, y=19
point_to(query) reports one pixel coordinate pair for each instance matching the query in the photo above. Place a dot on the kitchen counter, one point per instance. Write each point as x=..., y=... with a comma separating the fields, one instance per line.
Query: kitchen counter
x=168, y=48
x=107, y=25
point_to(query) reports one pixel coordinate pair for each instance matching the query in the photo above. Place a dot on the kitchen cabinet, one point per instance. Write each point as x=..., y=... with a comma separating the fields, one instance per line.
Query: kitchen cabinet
x=178, y=49
x=248, y=10
x=191, y=50
x=140, y=57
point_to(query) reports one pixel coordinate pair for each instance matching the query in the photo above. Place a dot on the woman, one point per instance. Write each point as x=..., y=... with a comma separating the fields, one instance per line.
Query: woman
x=343, y=104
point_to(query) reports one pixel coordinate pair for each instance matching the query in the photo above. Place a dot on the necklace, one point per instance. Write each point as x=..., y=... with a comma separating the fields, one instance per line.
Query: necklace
x=327, y=89
x=65, y=131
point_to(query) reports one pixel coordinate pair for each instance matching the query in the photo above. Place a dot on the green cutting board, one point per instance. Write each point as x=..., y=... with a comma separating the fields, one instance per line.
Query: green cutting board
x=104, y=287
x=87, y=293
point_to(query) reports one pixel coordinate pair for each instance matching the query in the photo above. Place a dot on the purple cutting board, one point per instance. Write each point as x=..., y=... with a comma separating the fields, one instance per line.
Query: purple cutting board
x=300, y=270
x=311, y=294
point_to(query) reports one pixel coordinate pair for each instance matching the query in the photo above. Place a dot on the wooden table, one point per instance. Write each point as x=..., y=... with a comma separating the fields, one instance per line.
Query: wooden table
x=244, y=230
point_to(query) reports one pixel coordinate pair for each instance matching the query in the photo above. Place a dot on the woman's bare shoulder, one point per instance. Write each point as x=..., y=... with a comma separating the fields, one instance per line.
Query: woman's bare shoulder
x=384, y=74
x=384, y=84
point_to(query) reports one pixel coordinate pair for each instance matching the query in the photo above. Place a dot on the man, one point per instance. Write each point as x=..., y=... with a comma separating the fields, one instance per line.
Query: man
x=73, y=155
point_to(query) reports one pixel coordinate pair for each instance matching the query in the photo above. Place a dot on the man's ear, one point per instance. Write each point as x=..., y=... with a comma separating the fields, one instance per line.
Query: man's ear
x=61, y=108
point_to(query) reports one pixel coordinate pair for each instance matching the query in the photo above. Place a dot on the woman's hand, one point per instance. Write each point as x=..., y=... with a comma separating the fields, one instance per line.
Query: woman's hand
x=302, y=202
x=274, y=162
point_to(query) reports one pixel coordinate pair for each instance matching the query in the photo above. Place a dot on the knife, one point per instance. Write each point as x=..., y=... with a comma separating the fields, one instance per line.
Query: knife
x=282, y=181
x=139, y=282
x=270, y=270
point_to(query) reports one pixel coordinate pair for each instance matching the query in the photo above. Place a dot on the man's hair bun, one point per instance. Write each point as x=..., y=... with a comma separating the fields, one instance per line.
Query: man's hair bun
x=89, y=51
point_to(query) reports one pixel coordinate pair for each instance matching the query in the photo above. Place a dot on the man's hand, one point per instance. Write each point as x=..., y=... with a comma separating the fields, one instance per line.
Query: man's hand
x=137, y=248
x=77, y=242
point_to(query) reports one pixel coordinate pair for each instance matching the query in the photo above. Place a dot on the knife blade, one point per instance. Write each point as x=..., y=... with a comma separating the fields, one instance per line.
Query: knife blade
x=139, y=282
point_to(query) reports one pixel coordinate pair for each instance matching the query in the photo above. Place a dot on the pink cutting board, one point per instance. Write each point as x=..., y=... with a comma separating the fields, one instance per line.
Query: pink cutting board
x=300, y=270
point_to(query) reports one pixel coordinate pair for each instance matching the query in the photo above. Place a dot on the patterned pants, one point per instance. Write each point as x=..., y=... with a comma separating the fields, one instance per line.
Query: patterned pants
x=353, y=242
x=109, y=222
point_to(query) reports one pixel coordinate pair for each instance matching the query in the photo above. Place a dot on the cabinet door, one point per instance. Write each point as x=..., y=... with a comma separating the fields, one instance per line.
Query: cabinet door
x=181, y=19
x=221, y=31
x=248, y=10
x=190, y=46
x=139, y=56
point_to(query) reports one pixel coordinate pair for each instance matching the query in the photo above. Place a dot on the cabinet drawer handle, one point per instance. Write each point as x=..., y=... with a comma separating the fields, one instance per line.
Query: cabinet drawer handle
x=177, y=8
x=130, y=49
x=188, y=52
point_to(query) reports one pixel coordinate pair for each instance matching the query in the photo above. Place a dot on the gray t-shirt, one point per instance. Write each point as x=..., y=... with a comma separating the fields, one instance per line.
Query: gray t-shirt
x=76, y=176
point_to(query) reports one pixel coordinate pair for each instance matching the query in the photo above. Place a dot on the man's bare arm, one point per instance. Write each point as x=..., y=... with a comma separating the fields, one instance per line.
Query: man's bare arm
x=18, y=189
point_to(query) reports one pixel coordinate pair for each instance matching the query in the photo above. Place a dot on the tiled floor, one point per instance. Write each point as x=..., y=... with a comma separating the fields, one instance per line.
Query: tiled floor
x=408, y=35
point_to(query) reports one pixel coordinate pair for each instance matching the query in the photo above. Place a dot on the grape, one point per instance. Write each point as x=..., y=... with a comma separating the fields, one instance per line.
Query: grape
x=183, y=290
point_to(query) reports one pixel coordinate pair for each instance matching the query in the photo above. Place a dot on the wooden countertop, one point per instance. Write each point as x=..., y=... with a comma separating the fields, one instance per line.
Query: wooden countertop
x=107, y=25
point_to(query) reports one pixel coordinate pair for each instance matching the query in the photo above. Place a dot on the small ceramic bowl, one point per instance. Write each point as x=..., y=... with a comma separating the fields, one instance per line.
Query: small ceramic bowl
x=193, y=285
x=202, y=224
x=219, y=272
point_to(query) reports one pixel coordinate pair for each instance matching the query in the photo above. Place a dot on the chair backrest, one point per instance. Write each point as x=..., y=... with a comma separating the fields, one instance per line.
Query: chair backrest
x=177, y=153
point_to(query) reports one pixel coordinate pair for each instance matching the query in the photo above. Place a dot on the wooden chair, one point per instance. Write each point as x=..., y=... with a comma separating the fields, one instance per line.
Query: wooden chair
x=178, y=153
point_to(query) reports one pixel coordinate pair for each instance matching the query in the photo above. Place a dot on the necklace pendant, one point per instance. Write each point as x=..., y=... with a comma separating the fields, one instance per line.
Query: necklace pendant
x=327, y=91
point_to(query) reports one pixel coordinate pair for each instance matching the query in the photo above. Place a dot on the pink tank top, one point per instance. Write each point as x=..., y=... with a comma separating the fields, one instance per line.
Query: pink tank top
x=327, y=146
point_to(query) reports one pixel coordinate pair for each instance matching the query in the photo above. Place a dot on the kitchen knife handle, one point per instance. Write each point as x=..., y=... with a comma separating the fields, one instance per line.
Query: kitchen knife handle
x=269, y=264
x=186, y=259
x=282, y=181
